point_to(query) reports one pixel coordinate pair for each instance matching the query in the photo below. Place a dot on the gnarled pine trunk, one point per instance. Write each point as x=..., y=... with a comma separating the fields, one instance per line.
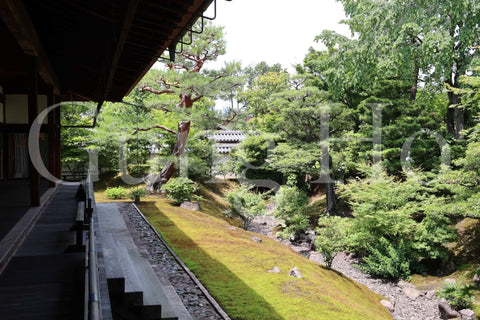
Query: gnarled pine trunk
x=156, y=182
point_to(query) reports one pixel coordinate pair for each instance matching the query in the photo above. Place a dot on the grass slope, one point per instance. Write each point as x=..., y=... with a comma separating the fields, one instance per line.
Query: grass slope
x=234, y=269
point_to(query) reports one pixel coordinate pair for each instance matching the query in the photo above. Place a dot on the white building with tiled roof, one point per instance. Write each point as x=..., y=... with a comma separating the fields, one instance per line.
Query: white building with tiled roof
x=225, y=140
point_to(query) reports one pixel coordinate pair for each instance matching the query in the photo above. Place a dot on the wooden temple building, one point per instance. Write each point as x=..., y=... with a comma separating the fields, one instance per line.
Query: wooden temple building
x=53, y=51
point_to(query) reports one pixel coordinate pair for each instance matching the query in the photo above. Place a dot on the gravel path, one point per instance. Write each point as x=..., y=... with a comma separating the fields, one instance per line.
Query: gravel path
x=152, y=248
x=406, y=308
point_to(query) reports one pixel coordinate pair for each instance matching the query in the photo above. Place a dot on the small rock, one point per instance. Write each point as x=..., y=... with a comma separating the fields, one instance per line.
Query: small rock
x=190, y=205
x=387, y=304
x=467, y=314
x=404, y=284
x=311, y=236
x=256, y=239
x=231, y=228
x=274, y=270
x=449, y=281
x=430, y=294
x=295, y=273
x=476, y=279
x=411, y=293
x=446, y=311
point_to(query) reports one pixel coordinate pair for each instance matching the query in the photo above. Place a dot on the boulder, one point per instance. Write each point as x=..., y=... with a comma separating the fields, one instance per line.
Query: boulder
x=430, y=294
x=256, y=239
x=190, y=205
x=476, y=279
x=404, y=284
x=274, y=270
x=411, y=293
x=446, y=311
x=295, y=273
x=387, y=304
x=467, y=314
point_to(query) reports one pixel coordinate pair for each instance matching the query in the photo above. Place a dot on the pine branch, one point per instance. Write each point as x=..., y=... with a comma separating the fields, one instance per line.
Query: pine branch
x=154, y=127
x=160, y=107
x=197, y=98
x=168, y=84
x=150, y=89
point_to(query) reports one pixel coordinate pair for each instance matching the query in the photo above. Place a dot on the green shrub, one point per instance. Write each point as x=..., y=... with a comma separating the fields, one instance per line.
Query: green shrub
x=138, y=170
x=459, y=296
x=292, y=207
x=331, y=237
x=398, y=223
x=295, y=226
x=386, y=260
x=116, y=193
x=137, y=193
x=246, y=204
x=180, y=189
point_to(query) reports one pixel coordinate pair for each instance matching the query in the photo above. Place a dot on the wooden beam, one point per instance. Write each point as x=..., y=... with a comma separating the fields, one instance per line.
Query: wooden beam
x=32, y=115
x=195, y=9
x=122, y=39
x=16, y=18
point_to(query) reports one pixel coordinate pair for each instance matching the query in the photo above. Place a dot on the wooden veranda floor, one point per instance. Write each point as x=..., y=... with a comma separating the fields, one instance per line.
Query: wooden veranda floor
x=15, y=202
x=42, y=280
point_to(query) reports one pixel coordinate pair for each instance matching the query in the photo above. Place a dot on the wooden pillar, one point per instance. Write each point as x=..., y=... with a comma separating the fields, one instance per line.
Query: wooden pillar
x=58, y=152
x=32, y=86
x=5, y=155
x=51, y=136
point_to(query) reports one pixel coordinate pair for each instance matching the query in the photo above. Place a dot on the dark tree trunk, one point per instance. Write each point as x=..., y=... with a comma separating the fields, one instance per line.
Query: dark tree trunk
x=156, y=182
x=459, y=122
x=450, y=119
x=414, y=89
x=330, y=187
x=455, y=113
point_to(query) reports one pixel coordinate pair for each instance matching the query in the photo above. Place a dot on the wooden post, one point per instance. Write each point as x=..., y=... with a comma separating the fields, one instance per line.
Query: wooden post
x=51, y=136
x=32, y=86
x=58, y=152
x=5, y=155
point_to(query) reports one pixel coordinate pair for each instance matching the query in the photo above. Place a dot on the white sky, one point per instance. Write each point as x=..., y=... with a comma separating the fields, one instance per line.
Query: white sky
x=275, y=31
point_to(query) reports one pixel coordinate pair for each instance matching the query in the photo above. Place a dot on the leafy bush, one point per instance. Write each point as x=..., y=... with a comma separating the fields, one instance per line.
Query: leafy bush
x=137, y=192
x=138, y=170
x=386, y=260
x=292, y=206
x=200, y=158
x=331, y=238
x=116, y=193
x=250, y=158
x=459, y=296
x=246, y=204
x=397, y=223
x=180, y=189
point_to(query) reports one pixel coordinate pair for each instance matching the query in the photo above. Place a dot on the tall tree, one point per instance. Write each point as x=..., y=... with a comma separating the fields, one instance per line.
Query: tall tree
x=300, y=113
x=428, y=42
x=186, y=83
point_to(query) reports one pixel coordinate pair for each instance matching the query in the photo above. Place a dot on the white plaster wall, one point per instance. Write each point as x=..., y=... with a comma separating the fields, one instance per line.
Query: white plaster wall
x=17, y=108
